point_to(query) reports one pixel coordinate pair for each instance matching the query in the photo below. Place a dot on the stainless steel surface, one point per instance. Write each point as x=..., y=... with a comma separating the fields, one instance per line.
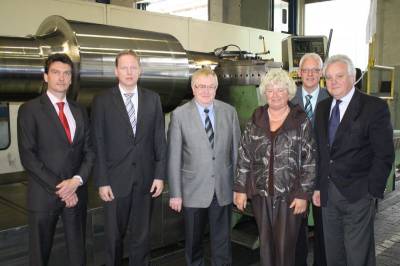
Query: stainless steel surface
x=241, y=72
x=92, y=48
x=21, y=67
x=166, y=66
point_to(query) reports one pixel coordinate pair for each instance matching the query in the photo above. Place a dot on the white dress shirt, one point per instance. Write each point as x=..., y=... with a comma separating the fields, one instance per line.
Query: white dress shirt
x=344, y=104
x=134, y=99
x=67, y=112
x=70, y=119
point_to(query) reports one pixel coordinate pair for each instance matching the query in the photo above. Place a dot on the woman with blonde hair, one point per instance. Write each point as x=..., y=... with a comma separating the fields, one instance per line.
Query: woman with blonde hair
x=276, y=169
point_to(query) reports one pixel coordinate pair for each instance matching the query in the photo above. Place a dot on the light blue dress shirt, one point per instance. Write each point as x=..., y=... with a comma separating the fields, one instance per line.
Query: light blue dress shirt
x=314, y=98
x=203, y=115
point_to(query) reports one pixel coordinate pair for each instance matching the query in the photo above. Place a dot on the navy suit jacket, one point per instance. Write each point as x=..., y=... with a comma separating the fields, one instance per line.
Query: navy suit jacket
x=362, y=153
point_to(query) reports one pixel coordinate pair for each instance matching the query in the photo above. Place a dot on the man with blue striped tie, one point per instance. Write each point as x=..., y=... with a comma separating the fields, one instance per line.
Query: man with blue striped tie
x=307, y=96
x=203, y=140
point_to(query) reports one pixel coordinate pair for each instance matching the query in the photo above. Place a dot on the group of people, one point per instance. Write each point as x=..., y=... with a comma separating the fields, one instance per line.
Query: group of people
x=334, y=147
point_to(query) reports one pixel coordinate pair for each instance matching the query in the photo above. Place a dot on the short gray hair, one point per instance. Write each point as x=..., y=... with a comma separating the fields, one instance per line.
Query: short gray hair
x=313, y=56
x=340, y=58
x=278, y=77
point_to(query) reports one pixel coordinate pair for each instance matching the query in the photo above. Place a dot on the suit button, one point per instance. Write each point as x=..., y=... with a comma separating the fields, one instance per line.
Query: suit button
x=213, y=176
x=213, y=158
x=134, y=164
x=331, y=161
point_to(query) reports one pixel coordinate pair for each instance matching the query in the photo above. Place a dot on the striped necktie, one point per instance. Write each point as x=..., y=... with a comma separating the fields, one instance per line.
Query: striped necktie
x=308, y=107
x=209, y=129
x=130, y=108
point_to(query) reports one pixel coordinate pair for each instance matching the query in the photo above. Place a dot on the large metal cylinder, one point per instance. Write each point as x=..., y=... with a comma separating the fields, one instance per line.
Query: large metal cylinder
x=166, y=65
x=92, y=48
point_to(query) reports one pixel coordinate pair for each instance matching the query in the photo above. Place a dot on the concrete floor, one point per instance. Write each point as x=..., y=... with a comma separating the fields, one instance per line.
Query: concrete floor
x=387, y=238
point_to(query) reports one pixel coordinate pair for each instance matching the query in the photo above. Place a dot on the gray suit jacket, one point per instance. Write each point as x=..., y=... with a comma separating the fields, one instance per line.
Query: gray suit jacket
x=298, y=99
x=195, y=170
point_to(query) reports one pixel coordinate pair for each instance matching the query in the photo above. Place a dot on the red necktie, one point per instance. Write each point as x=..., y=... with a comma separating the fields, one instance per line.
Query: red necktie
x=64, y=120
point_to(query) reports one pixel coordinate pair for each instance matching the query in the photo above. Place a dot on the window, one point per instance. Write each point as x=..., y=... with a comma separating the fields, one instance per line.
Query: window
x=197, y=9
x=348, y=38
x=4, y=126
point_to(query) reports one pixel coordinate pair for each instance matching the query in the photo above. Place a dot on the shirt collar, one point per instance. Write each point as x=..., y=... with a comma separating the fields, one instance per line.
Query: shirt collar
x=201, y=108
x=314, y=94
x=123, y=91
x=54, y=100
x=346, y=99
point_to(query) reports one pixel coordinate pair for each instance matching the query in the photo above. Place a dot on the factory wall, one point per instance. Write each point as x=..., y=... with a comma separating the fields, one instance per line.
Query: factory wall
x=21, y=17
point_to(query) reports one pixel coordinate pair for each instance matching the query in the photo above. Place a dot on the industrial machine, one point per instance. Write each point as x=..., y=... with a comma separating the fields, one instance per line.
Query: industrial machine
x=166, y=67
x=294, y=47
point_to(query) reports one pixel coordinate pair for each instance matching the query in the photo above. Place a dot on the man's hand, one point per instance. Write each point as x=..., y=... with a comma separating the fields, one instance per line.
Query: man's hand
x=299, y=206
x=240, y=200
x=157, y=187
x=316, y=198
x=71, y=201
x=105, y=193
x=175, y=204
x=67, y=187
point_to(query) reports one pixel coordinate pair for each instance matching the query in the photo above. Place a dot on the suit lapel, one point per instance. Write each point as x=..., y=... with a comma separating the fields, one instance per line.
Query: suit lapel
x=320, y=97
x=49, y=110
x=77, y=114
x=217, y=122
x=351, y=114
x=299, y=95
x=325, y=109
x=198, y=123
x=120, y=106
x=140, y=114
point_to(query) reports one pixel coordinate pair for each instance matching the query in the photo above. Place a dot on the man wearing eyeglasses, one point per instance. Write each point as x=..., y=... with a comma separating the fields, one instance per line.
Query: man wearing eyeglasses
x=307, y=96
x=203, y=140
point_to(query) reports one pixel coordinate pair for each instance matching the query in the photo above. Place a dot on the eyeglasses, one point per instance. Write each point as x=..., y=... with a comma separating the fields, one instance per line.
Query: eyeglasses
x=278, y=90
x=311, y=70
x=205, y=87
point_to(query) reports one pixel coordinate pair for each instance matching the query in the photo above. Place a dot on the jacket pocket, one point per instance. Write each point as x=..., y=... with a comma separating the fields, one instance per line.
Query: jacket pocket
x=188, y=174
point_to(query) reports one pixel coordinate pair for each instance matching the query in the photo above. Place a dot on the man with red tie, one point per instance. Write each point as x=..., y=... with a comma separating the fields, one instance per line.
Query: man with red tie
x=55, y=150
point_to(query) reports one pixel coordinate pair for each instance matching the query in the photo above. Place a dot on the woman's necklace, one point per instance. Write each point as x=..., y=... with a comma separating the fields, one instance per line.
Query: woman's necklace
x=282, y=115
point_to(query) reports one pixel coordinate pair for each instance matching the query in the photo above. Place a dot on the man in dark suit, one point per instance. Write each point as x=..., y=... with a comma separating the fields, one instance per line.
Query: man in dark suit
x=129, y=137
x=356, y=153
x=308, y=96
x=55, y=149
x=203, y=140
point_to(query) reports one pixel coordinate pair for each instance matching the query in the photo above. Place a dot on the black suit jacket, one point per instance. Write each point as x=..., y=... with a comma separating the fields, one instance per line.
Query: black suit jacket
x=124, y=159
x=46, y=153
x=362, y=153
